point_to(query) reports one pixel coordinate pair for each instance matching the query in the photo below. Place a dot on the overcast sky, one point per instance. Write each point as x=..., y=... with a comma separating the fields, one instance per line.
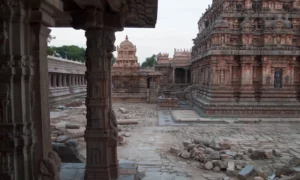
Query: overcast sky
x=176, y=27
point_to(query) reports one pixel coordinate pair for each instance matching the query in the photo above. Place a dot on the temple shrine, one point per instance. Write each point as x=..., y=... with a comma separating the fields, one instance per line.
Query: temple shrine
x=130, y=82
x=245, y=59
x=175, y=71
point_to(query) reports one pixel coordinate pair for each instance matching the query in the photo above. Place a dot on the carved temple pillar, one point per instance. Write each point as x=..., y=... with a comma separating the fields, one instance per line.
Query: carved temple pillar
x=185, y=76
x=60, y=80
x=54, y=77
x=173, y=76
x=65, y=80
x=101, y=130
x=25, y=150
x=247, y=70
x=49, y=79
x=100, y=136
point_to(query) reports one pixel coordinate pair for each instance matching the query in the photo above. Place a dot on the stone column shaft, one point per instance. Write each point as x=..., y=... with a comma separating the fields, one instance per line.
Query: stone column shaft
x=60, y=80
x=54, y=80
x=173, y=75
x=185, y=75
x=101, y=132
x=25, y=150
x=49, y=79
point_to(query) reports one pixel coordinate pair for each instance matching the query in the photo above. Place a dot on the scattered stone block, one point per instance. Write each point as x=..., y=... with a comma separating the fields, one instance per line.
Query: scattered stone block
x=123, y=110
x=63, y=138
x=276, y=153
x=258, y=155
x=127, y=134
x=61, y=107
x=201, y=140
x=174, y=150
x=258, y=178
x=224, y=156
x=250, y=150
x=120, y=140
x=186, y=143
x=217, y=148
x=230, y=169
x=215, y=155
x=72, y=126
x=209, y=165
x=190, y=147
x=239, y=167
x=247, y=158
x=246, y=172
x=185, y=155
x=223, y=165
x=208, y=150
x=260, y=172
x=202, y=157
x=217, y=169
x=269, y=154
x=72, y=143
x=225, y=145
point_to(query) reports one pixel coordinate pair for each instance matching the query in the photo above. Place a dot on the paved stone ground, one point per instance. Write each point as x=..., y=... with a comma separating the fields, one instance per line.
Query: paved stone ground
x=151, y=139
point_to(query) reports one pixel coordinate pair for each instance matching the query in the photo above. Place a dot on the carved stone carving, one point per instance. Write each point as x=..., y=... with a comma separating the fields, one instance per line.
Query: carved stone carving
x=50, y=167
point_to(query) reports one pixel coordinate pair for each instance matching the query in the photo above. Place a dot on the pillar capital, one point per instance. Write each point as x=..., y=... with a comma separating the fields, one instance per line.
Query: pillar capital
x=97, y=18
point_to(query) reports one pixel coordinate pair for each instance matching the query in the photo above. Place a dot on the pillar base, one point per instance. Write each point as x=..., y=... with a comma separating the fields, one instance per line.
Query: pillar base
x=96, y=173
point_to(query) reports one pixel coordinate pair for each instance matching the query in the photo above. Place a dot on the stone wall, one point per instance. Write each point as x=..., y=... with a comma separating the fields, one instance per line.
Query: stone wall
x=66, y=79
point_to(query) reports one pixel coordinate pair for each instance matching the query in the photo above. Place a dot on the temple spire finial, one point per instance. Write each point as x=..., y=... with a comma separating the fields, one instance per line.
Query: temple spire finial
x=126, y=38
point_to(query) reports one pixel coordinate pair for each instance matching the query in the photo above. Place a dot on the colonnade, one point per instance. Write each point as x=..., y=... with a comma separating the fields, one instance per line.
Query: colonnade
x=66, y=80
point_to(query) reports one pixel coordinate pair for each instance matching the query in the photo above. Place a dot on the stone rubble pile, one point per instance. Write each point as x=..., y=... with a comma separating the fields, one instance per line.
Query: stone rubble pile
x=223, y=156
x=123, y=131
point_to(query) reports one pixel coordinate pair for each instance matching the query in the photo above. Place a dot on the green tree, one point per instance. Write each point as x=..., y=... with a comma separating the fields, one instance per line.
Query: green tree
x=71, y=52
x=150, y=61
x=113, y=60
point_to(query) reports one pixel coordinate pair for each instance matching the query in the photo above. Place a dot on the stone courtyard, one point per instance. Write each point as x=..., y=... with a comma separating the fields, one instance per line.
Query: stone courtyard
x=148, y=142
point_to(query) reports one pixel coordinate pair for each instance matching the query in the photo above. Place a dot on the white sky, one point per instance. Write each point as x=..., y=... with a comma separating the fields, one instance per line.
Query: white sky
x=176, y=27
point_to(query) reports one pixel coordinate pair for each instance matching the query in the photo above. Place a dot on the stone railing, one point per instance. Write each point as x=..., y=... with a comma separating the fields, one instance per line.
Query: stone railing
x=66, y=79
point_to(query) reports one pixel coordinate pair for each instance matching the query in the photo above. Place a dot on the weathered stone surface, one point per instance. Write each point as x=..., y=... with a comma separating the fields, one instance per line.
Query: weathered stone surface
x=260, y=172
x=258, y=178
x=246, y=172
x=174, y=150
x=231, y=169
x=123, y=110
x=209, y=165
x=201, y=140
x=215, y=155
x=217, y=169
x=63, y=138
x=276, y=153
x=202, y=157
x=258, y=154
x=224, y=156
x=186, y=143
x=67, y=153
x=185, y=155
x=72, y=126
x=209, y=150
x=269, y=154
x=127, y=134
x=225, y=145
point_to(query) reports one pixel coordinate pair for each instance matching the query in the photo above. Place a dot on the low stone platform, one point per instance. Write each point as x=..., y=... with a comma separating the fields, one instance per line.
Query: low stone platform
x=169, y=117
x=75, y=171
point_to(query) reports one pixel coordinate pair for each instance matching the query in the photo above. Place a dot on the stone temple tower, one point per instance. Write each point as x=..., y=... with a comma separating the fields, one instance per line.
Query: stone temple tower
x=246, y=59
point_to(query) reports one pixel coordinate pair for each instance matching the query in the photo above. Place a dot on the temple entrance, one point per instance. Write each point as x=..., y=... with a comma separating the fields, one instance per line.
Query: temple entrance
x=278, y=78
